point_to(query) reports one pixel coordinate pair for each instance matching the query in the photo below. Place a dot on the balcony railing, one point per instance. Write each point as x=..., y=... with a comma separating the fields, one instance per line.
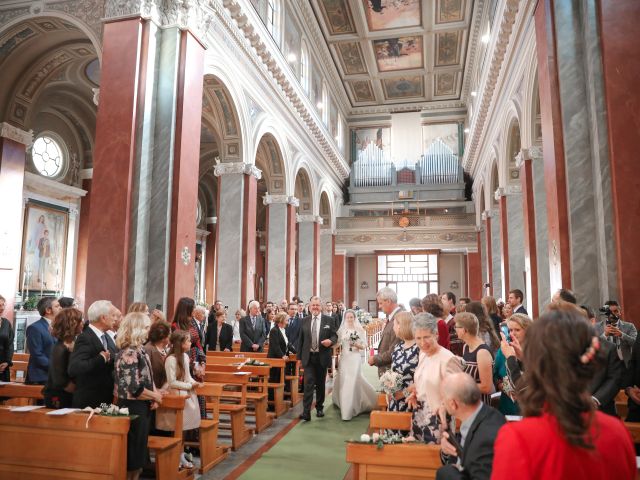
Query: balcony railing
x=415, y=221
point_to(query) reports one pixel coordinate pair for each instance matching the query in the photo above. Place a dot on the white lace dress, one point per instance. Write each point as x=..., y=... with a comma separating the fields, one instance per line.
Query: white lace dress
x=352, y=393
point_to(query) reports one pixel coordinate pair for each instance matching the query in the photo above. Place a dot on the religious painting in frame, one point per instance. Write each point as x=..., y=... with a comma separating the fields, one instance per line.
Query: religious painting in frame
x=449, y=11
x=44, y=246
x=389, y=14
x=399, y=53
x=404, y=87
x=337, y=16
x=350, y=55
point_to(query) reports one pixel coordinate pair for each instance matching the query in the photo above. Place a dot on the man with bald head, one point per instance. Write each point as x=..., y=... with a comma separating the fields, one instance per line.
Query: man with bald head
x=478, y=430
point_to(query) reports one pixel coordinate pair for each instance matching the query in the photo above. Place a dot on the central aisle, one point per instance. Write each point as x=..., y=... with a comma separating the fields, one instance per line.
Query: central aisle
x=315, y=449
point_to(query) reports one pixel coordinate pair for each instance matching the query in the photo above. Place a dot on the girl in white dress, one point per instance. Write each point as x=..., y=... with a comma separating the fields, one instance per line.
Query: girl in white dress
x=352, y=394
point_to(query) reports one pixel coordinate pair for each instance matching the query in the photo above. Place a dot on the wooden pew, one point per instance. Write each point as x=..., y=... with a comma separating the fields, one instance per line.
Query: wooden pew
x=634, y=430
x=170, y=468
x=622, y=404
x=21, y=394
x=383, y=403
x=256, y=394
x=46, y=447
x=18, y=371
x=240, y=434
x=405, y=461
x=211, y=452
x=381, y=421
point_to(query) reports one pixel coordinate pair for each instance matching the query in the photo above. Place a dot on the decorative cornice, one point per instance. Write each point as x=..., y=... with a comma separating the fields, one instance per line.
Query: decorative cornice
x=16, y=134
x=478, y=228
x=474, y=36
x=237, y=168
x=308, y=219
x=269, y=199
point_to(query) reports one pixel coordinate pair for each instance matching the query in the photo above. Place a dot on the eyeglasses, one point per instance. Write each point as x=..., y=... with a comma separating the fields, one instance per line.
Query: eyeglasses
x=458, y=326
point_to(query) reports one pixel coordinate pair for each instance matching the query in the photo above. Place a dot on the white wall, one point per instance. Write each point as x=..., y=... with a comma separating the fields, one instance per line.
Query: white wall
x=365, y=272
x=452, y=269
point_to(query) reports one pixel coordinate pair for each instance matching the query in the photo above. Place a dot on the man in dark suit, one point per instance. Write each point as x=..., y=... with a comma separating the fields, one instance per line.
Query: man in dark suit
x=40, y=341
x=317, y=335
x=478, y=430
x=91, y=362
x=293, y=327
x=252, y=330
x=516, y=297
x=198, y=322
x=219, y=336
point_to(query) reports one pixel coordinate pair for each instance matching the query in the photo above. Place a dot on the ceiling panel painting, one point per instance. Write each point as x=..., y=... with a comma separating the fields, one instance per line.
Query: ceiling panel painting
x=350, y=55
x=448, y=48
x=445, y=84
x=362, y=91
x=392, y=14
x=337, y=16
x=403, y=87
x=401, y=53
x=449, y=11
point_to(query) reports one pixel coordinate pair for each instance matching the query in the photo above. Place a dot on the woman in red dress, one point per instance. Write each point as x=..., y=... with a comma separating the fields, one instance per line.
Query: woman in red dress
x=563, y=436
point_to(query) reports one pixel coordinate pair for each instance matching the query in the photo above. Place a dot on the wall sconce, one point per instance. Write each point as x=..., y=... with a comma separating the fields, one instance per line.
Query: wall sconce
x=364, y=285
x=454, y=285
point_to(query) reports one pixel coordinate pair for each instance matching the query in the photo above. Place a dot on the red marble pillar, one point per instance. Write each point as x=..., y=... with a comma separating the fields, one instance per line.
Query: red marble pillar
x=529, y=224
x=351, y=279
x=338, y=266
x=474, y=275
x=13, y=143
x=620, y=37
x=248, y=267
x=553, y=148
x=121, y=96
x=489, y=256
x=210, y=264
x=83, y=245
x=316, y=258
x=291, y=250
x=504, y=244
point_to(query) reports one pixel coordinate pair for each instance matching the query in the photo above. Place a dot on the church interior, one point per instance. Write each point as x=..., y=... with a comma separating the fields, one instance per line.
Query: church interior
x=227, y=152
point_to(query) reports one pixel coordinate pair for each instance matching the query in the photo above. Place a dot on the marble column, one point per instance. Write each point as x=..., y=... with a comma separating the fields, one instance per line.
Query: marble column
x=621, y=64
x=493, y=220
x=542, y=236
x=474, y=274
x=515, y=239
x=351, y=281
x=326, y=264
x=523, y=162
x=278, y=254
x=503, y=222
x=488, y=246
x=13, y=145
x=339, y=270
x=210, y=262
x=307, y=255
x=236, y=232
x=292, y=235
x=482, y=248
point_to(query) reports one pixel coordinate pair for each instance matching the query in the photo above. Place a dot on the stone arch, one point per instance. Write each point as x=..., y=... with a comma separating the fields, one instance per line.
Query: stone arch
x=512, y=146
x=303, y=189
x=325, y=209
x=270, y=159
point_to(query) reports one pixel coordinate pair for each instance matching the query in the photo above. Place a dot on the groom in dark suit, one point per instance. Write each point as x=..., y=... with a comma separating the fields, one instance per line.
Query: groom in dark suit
x=252, y=330
x=317, y=335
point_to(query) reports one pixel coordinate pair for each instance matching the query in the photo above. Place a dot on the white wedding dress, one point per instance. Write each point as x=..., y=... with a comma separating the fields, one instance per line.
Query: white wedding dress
x=352, y=393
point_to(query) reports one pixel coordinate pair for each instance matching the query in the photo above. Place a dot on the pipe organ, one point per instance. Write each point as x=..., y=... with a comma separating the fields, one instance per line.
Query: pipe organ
x=439, y=165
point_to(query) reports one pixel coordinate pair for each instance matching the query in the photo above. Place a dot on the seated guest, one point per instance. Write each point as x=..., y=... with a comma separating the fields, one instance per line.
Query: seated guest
x=404, y=359
x=434, y=363
x=476, y=354
x=619, y=333
x=156, y=349
x=278, y=344
x=58, y=391
x=6, y=344
x=91, y=362
x=134, y=387
x=563, y=435
x=486, y=330
x=478, y=430
x=40, y=341
x=433, y=305
x=510, y=351
x=493, y=312
x=219, y=336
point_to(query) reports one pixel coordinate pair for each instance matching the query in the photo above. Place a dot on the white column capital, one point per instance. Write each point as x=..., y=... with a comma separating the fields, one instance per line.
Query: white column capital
x=532, y=153
x=237, y=168
x=478, y=228
x=16, y=134
x=211, y=220
x=499, y=193
x=489, y=214
x=289, y=200
x=308, y=219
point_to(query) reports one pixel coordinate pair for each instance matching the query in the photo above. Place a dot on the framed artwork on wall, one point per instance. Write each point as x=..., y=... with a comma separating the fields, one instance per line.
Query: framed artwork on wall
x=44, y=246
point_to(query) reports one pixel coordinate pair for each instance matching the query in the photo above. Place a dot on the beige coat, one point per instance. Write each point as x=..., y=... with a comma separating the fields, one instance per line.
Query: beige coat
x=387, y=343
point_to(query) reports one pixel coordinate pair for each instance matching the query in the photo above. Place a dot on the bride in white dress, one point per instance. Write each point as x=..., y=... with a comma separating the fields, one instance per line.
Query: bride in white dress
x=352, y=393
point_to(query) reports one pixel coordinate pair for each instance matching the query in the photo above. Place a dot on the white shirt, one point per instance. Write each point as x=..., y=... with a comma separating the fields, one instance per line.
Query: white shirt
x=99, y=333
x=286, y=340
x=236, y=330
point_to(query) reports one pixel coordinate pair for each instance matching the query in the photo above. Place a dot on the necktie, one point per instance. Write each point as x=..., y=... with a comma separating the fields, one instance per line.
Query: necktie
x=105, y=344
x=253, y=322
x=314, y=334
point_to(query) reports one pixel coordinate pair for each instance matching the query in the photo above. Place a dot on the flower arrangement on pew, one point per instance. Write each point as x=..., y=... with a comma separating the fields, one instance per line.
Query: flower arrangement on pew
x=382, y=439
x=108, y=410
x=252, y=362
x=363, y=317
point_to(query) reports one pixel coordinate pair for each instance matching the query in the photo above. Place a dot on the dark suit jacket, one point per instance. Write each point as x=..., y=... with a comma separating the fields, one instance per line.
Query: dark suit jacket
x=477, y=452
x=328, y=330
x=249, y=336
x=40, y=343
x=293, y=332
x=93, y=376
x=607, y=380
x=277, y=345
x=521, y=309
x=226, y=337
x=202, y=332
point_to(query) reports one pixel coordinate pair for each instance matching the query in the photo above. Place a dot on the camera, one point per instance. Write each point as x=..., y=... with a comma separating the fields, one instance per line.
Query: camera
x=611, y=317
x=226, y=307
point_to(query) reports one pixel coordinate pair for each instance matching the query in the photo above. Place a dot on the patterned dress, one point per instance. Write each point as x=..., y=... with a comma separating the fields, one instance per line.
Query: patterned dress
x=403, y=361
x=471, y=361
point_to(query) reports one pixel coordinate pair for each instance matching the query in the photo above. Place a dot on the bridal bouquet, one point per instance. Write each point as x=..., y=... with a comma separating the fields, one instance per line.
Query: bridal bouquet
x=354, y=338
x=391, y=382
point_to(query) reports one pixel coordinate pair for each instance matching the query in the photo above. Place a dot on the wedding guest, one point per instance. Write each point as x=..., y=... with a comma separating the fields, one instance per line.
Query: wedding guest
x=139, y=307
x=434, y=363
x=476, y=354
x=388, y=304
x=562, y=436
x=58, y=391
x=235, y=323
x=486, y=330
x=219, y=336
x=198, y=322
x=415, y=305
x=404, y=359
x=134, y=387
x=67, y=302
x=449, y=305
x=507, y=311
x=293, y=327
x=6, y=344
x=40, y=341
x=515, y=299
x=565, y=295
x=252, y=330
x=278, y=344
x=116, y=316
x=433, y=305
x=157, y=316
x=269, y=319
x=156, y=349
x=517, y=326
x=492, y=310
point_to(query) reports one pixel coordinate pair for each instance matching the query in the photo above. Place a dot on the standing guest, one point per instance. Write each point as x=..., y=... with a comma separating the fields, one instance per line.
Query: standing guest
x=217, y=305
x=433, y=305
x=618, y=332
x=336, y=313
x=301, y=311
x=462, y=301
x=198, y=321
x=434, y=364
x=562, y=436
x=283, y=305
x=478, y=430
x=404, y=359
x=91, y=362
x=278, y=344
x=486, y=330
x=157, y=315
x=415, y=305
x=341, y=310
x=116, y=316
x=235, y=324
x=58, y=391
x=507, y=311
x=565, y=295
x=492, y=310
x=134, y=387
x=67, y=302
x=269, y=319
x=252, y=329
x=156, y=349
x=293, y=327
x=317, y=335
x=139, y=307
x=219, y=336
x=476, y=354
x=449, y=305
x=516, y=297
x=6, y=344
x=40, y=341
x=388, y=303
x=354, y=306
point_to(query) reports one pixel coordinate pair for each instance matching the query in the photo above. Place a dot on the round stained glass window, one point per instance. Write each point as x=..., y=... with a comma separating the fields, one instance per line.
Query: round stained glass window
x=47, y=156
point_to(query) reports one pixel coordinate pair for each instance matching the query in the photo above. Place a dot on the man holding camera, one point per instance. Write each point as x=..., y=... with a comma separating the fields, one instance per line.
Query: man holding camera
x=622, y=334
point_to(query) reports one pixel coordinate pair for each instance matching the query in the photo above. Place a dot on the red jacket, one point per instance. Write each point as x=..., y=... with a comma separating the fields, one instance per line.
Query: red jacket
x=534, y=448
x=443, y=334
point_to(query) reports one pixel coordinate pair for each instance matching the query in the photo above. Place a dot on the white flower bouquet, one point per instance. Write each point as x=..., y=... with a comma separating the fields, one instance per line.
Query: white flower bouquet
x=354, y=339
x=391, y=382
x=380, y=439
x=108, y=410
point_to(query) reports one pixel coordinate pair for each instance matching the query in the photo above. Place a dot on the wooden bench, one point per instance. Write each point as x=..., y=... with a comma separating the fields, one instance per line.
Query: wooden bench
x=240, y=434
x=18, y=371
x=622, y=404
x=381, y=421
x=175, y=403
x=405, y=461
x=21, y=394
x=634, y=430
x=382, y=403
x=47, y=447
x=211, y=452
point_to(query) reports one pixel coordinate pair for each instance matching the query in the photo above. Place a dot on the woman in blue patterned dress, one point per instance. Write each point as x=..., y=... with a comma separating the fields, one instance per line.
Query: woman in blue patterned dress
x=404, y=359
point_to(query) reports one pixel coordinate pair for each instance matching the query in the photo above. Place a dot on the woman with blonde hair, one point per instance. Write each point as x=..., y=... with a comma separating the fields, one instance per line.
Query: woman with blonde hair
x=134, y=387
x=139, y=307
x=492, y=310
x=404, y=359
